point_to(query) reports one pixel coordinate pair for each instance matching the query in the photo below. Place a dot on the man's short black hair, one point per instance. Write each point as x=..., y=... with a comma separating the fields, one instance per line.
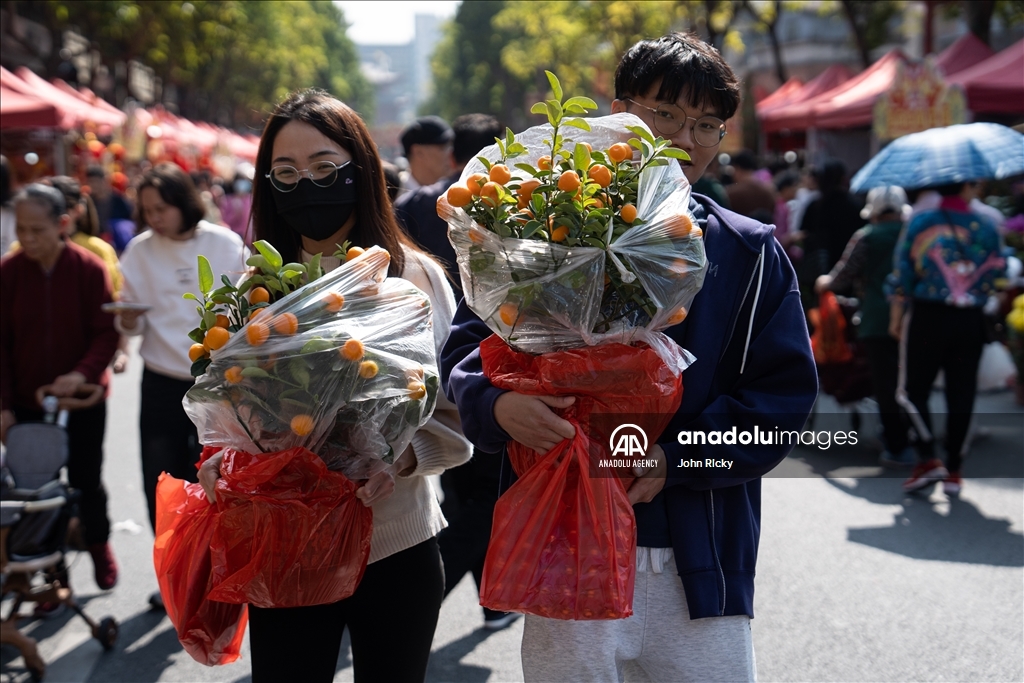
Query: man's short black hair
x=950, y=189
x=745, y=160
x=473, y=132
x=95, y=171
x=684, y=64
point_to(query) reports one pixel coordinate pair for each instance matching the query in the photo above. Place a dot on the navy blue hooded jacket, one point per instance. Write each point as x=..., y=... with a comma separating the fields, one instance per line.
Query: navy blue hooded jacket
x=746, y=328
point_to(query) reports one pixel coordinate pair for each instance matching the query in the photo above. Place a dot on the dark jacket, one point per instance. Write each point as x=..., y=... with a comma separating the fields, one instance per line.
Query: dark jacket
x=52, y=323
x=866, y=263
x=416, y=211
x=746, y=328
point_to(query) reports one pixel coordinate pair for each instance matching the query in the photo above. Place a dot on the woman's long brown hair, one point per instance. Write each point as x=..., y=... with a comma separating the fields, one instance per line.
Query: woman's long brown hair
x=375, y=219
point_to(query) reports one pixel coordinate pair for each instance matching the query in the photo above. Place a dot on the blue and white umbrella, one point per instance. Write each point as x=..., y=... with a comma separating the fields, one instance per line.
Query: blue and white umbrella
x=940, y=156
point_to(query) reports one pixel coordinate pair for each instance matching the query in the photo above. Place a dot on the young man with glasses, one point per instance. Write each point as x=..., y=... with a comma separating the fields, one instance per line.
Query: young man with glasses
x=754, y=366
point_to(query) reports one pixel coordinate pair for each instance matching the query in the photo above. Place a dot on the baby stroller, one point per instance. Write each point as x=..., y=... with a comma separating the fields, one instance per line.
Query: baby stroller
x=34, y=516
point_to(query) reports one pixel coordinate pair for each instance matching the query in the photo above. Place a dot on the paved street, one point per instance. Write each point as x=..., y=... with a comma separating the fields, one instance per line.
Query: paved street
x=856, y=581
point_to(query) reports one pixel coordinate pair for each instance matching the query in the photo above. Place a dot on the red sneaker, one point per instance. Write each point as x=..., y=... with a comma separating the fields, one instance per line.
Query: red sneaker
x=104, y=565
x=951, y=485
x=925, y=473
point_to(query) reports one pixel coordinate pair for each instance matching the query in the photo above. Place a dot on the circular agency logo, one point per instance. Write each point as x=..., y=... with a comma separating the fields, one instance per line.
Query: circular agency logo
x=628, y=441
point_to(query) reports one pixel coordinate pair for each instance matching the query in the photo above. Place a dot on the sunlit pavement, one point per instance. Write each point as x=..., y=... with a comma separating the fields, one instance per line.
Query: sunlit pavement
x=856, y=581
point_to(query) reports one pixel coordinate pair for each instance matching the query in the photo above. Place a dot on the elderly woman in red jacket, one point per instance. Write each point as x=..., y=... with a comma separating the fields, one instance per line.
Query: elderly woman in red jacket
x=55, y=333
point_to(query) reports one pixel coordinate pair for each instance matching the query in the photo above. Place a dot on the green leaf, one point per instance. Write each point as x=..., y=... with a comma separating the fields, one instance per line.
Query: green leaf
x=199, y=367
x=577, y=123
x=197, y=335
x=256, y=261
x=510, y=137
x=222, y=299
x=642, y=132
x=210, y=318
x=485, y=161
x=529, y=169
x=189, y=295
x=674, y=153
x=300, y=267
x=556, y=87
x=226, y=281
x=313, y=269
x=273, y=256
x=515, y=149
x=584, y=102
x=530, y=228
x=317, y=345
x=554, y=108
x=581, y=157
x=539, y=108
x=205, y=275
x=255, y=373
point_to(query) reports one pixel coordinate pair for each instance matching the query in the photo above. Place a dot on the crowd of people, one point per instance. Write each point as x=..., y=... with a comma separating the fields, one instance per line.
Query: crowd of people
x=74, y=247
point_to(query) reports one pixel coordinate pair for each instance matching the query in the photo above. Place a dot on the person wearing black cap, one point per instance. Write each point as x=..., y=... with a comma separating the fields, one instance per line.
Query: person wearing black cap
x=427, y=143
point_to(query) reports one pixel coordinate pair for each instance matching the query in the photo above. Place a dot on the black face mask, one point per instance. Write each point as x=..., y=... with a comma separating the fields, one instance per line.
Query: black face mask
x=319, y=212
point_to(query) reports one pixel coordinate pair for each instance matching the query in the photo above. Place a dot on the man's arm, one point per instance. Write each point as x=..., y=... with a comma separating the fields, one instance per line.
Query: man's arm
x=776, y=389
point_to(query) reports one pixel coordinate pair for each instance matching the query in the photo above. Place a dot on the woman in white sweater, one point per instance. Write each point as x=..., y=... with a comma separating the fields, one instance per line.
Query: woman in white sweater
x=158, y=266
x=319, y=182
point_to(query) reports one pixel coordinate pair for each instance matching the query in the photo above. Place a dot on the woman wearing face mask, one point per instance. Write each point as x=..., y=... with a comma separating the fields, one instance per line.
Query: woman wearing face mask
x=159, y=265
x=319, y=182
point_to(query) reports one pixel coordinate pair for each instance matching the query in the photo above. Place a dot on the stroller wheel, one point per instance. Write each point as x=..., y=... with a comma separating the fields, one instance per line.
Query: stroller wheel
x=106, y=633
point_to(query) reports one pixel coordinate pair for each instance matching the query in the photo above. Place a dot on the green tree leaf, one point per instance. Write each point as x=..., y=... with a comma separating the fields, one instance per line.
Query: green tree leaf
x=205, y=275
x=577, y=123
x=272, y=255
x=556, y=87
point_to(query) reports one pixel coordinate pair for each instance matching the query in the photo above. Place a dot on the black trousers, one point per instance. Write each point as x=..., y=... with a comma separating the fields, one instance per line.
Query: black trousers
x=85, y=466
x=170, y=442
x=951, y=339
x=469, y=501
x=884, y=357
x=391, y=620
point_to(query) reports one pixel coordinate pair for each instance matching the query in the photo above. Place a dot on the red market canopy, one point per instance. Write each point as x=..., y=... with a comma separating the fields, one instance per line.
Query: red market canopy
x=829, y=79
x=783, y=95
x=22, y=111
x=89, y=97
x=849, y=105
x=964, y=53
x=80, y=111
x=996, y=85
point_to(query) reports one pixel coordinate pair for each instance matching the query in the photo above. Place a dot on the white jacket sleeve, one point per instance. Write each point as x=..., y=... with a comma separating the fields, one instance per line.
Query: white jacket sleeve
x=439, y=444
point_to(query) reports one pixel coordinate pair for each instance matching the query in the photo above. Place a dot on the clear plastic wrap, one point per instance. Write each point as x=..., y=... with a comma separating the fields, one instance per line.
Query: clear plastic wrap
x=344, y=366
x=540, y=296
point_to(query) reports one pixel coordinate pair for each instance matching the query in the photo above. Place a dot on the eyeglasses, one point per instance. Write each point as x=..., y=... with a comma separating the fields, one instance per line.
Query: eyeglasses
x=707, y=131
x=322, y=173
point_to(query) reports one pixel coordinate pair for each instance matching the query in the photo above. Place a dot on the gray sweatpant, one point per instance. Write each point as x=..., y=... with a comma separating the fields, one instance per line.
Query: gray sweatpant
x=658, y=643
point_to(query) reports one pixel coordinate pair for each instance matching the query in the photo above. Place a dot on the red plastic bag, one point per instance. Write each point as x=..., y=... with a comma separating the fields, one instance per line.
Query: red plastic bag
x=563, y=541
x=285, y=532
x=829, y=339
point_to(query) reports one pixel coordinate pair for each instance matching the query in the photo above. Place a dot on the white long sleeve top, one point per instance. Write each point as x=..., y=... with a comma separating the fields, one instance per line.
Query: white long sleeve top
x=157, y=271
x=412, y=514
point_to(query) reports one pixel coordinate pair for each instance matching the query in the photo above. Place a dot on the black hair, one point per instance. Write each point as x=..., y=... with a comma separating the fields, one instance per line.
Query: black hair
x=88, y=222
x=49, y=198
x=375, y=220
x=831, y=176
x=177, y=189
x=5, y=181
x=473, y=132
x=683, y=63
x=392, y=178
x=95, y=171
x=786, y=179
x=745, y=160
x=950, y=189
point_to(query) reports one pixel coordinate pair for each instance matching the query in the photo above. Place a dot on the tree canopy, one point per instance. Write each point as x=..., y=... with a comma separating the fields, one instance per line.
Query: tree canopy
x=229, y=61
